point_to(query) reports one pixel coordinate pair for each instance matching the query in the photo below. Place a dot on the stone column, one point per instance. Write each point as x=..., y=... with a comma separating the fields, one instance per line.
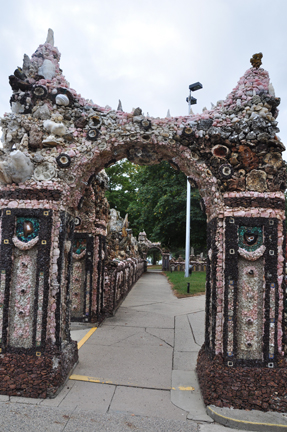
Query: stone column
x=242, y=363
x=34, y=292
x=165, y=261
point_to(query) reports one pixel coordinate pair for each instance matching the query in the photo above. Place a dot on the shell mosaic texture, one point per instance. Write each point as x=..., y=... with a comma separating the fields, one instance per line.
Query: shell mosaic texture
x=55, y=147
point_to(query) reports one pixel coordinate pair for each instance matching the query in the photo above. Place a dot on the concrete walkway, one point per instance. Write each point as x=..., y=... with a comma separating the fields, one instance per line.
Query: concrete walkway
x=136, y=372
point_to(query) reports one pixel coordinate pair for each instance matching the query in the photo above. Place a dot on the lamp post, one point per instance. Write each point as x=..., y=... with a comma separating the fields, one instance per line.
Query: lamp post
x=191, y=101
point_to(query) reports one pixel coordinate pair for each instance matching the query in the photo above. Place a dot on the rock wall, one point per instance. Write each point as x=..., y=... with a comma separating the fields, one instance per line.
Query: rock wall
x=55, y=143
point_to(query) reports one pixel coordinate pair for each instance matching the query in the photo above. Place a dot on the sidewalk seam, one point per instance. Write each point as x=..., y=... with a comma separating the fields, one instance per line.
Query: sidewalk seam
x=111, y=400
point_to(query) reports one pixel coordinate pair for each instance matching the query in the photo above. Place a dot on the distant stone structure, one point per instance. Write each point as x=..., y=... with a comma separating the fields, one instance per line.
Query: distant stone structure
x=53, y=214
x=198, y=263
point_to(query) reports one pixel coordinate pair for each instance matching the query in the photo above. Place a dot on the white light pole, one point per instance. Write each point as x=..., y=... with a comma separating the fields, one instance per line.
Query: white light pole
x=187, y=238
x=191, y=101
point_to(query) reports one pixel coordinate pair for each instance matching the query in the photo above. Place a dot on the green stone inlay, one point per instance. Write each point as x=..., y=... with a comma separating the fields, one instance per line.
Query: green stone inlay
x=79, y=246
x=21, y=233
x=250, y=238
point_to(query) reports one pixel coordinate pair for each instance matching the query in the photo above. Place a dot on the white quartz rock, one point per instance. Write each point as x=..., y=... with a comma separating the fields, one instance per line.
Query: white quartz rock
x=50, y=37
x=55, y=128
x=17, y=108
x=42, y=112
x=19, y=167
x=271, y=90
x=47, y=70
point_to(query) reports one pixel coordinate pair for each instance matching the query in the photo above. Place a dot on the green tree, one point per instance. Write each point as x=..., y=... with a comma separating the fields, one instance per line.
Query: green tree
x=155, y=198
x=122, y=189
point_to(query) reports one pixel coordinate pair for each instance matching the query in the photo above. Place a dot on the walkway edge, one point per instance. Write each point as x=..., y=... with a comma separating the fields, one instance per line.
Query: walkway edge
x=86, y=337
x=234, y=423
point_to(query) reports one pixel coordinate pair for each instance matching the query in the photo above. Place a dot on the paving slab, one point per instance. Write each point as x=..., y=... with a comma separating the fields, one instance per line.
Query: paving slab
x=109, y=335
x=197, y=324
x=142, y=338
x=188, y=400
x=171, y=308
x=141, y=318
x=89, y=396
x=78, y=334
x=184, y=340
x=152, y=403
x=55, y=402
x=166, y=335
x=143, y=366
x=185, y=360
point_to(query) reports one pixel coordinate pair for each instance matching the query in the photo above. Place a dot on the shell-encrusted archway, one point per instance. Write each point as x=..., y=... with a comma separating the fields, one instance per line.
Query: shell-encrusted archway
x=55, y=143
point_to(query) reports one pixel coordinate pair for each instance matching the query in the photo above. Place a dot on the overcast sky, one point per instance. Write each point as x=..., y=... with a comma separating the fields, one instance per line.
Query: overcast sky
x=146, y=53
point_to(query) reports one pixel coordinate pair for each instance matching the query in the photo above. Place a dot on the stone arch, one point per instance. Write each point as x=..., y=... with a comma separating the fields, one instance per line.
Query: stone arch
x=233, y=154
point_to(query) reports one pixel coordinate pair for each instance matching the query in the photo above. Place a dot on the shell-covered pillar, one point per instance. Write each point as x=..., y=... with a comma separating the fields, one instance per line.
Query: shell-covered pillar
x=242, y=363
x=35, y=262
x=88, y=252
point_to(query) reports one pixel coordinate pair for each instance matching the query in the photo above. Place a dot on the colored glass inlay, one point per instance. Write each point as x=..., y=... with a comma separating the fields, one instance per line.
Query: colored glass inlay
x=250, y=238
x=79, y=246
x=27, y=228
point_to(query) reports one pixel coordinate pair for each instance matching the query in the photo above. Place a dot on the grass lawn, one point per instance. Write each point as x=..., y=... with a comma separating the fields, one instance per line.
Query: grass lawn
x=179, y=283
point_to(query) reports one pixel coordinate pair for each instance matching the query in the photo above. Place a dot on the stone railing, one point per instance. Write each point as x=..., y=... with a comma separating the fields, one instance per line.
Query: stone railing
x=120, y=276
x=180, y=266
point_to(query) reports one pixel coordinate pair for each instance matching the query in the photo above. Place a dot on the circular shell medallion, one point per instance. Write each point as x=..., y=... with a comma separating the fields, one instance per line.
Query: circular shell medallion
x=63, y=160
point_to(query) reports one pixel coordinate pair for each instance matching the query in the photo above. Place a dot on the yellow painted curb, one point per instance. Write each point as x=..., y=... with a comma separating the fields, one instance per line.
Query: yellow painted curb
x=85, y=378
x=88, y=379
x=244, y=421
x=86, y=337
x=185, y=388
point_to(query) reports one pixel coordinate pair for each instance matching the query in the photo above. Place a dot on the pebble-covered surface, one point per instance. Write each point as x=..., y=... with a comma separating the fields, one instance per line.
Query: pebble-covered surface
x=251, y=388
x=55, y=146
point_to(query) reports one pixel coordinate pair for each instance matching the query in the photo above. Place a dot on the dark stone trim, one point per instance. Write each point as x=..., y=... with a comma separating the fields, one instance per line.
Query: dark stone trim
x=248, y=202
x=208, y=289
x=284, y=290
x=103, y=238
x=99, y=251
x=89, y=259
x=43, y=264
x=60, y=262
x=31, y=194
x=231, y=273
x=70, y=227
x=214, y=287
